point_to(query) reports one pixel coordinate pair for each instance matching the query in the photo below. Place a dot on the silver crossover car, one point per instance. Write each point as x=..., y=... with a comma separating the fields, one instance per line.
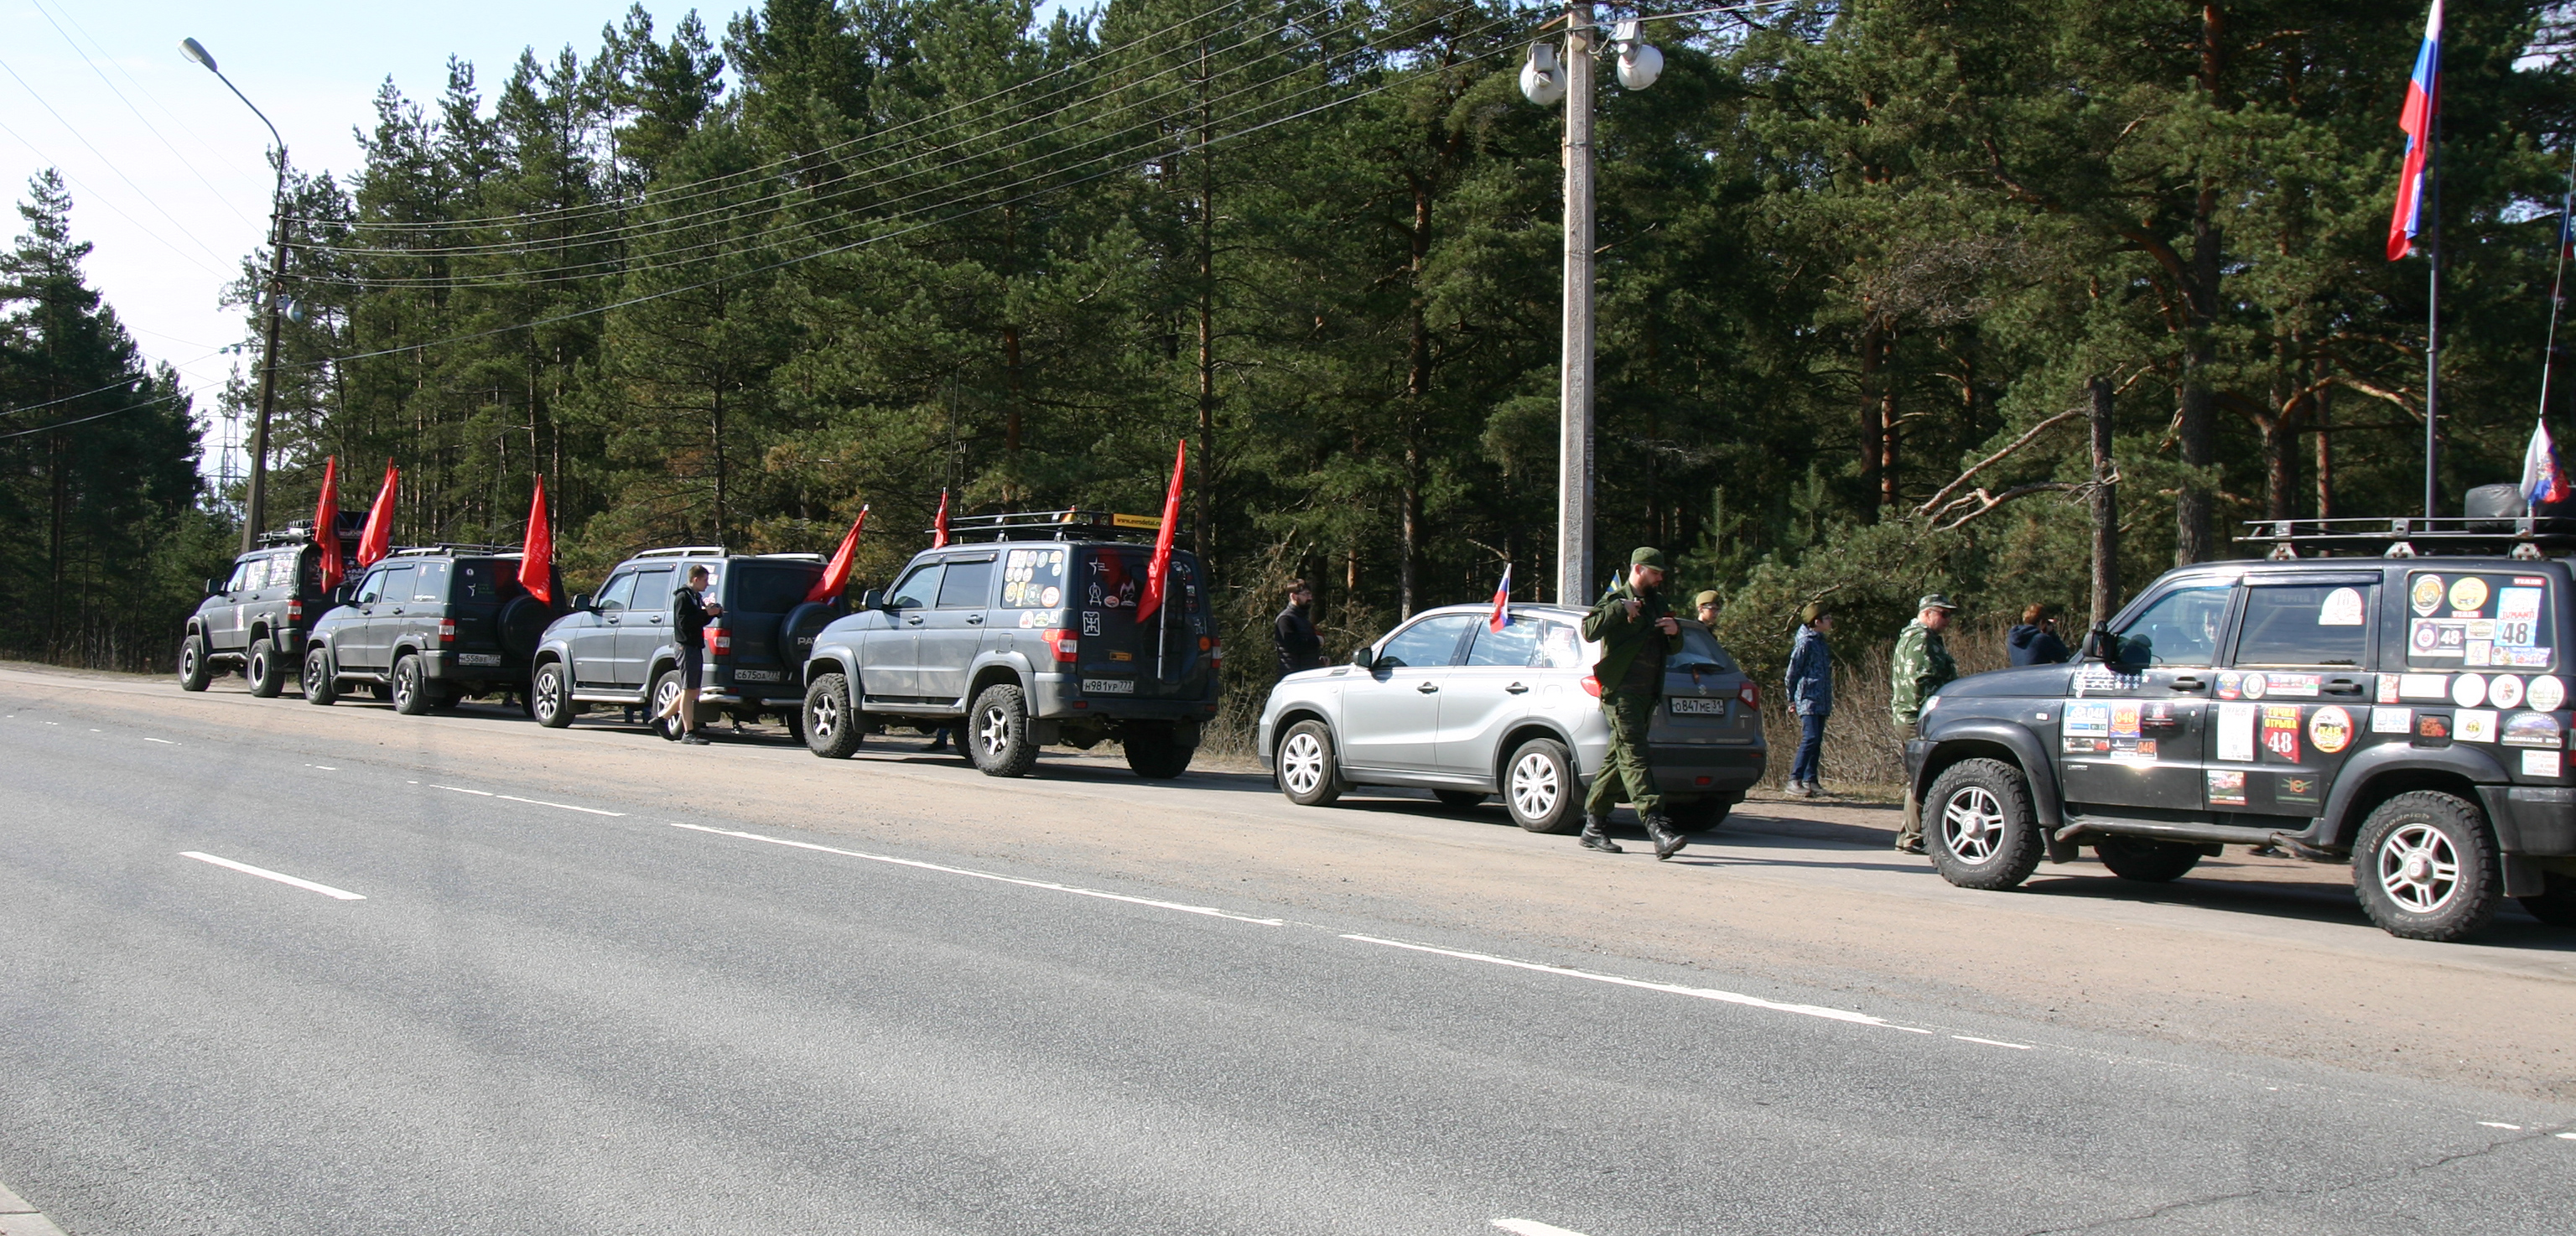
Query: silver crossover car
x=1448, y=704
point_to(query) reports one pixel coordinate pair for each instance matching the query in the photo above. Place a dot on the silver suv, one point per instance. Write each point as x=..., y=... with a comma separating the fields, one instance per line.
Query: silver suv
x=1448, y=704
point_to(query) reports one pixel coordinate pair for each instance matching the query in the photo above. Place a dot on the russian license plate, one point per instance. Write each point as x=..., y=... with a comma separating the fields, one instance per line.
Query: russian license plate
x=1684, y=706
x=1109, y=686
x=478, y=658
x=744, y=675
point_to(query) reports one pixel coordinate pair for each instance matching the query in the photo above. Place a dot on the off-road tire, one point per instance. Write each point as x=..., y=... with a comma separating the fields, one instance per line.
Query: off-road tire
x=267, y=677
x=1541, y=789
x=412, y=696
x=550, y=696
x=1310, y=772
x=666, y=688
x=996, y=733
x=2145, y=859
x=321, y=679
x=1461, y=799
x=2556, y=903
x=1154, y=754
x=1699, y=815
x=832, y=728
x=2454, y=891
x=1979, y=827
x=793, y=720
x=194, y=673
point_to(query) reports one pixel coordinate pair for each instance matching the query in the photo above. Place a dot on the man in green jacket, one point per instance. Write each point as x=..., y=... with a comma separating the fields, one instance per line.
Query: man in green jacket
x=1921, y=664
x=1637, y=633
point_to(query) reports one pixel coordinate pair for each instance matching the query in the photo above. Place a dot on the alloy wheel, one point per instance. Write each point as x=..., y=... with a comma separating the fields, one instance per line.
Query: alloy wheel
x=1534, y=786
x=2418, y=869
x=995, y=733
x=1972, y=823
x=827, y=715
x=1301, y=763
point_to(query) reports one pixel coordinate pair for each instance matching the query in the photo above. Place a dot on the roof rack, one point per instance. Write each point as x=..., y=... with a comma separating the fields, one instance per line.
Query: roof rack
x=1072, y=524
x=351, y=524
x=457, y=547
x=791, y=557
x=682, y=551
x=2516, y=536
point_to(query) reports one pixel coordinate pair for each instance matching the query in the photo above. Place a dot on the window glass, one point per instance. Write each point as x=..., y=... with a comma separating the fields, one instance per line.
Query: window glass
x=1560, y=646
x=653, y=588
x=917, y=589
x=968, y=585
x=429, y=582
x=1515, y=646
x=2178, y=628
x=2306, y=624
x=372, y=588
x=1700, y=651
x=770, y=587
x=2479, y=620
x=1430, y=642
x=481, y=580
x=397, y=583
x=241, y=575
x=1033, y=579
x=616, y=593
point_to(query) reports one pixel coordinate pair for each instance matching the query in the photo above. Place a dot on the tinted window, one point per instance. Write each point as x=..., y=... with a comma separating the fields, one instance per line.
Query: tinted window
x=917, y=589
x=484, y=581
x=1515, y=646
x=372, y=588
x=429, y=582
x=2306, y=624
x=1033, y=579
x=1700, y=651
x=397, y=584
x=771, y=588
x=617, y=592
x=2479, y=620
x=1432, y=641
x=653, y=589
x=2178, y=628
x=968, y=585
x=241, y=575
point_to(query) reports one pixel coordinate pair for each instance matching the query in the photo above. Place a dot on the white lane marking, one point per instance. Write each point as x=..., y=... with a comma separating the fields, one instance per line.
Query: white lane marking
x=2565, y=1136
x=281, y=877
x=461, y=790
x=1970, y=1038
x=1210, y=911
x=534, y=802
x=322, y=768
x=1532, y=1227
x=163, y=741
x=1701, y=993
x=2498, y=1124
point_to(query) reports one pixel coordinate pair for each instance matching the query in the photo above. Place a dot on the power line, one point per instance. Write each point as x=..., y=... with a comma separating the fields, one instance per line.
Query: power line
x=155, y=130
x=109, y=202
x=112, y=166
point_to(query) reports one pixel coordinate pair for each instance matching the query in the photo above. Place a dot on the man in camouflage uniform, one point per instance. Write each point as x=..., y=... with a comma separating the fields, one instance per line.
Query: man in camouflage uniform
x=1921, y=664
x=1637, y=633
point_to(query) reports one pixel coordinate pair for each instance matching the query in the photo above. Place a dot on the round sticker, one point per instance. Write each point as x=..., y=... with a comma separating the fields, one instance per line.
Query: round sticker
x=2254, y=686
x=2505, y=691
x=2468, y=592
x=2425, y=636
x=2427, y=595
x=2342, y=608
x=2546, y=694
x=2330, y=729
x=1051, y=596
x=2469, y=690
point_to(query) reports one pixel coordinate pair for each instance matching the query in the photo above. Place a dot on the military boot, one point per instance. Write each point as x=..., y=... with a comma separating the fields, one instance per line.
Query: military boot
x=1668, y=840
x=1596, y=836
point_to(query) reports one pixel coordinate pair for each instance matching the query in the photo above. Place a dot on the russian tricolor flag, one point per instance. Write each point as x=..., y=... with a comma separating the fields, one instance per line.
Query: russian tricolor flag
x=1502, y=616
x=2542, y=479
x=2423, y=101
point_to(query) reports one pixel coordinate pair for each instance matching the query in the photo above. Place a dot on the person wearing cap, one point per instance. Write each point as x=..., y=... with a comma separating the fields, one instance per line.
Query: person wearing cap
x=1637, y=634
x=1704, y=606
x=1811, y=695
x=1921, y=664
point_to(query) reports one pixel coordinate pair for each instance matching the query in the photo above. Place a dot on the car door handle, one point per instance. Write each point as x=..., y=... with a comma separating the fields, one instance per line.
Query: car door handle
x=912, y=622
x=1518, y=688
x=974, y=620
x=1428, y=687
x=2187, y=682
x=2342, y=686
x=612, y=621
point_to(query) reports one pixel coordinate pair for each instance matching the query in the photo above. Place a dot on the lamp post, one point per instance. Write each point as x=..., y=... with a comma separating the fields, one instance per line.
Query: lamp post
x=255, y=507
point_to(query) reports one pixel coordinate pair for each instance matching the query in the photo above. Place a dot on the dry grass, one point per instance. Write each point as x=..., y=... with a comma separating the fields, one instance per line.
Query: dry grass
x=1862, y=755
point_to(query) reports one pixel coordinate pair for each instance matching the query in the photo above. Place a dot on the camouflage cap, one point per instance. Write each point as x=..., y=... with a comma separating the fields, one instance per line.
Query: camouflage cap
x=1813, y=612
x=1646, y=555
x=1707, y=596
x=1934, y=600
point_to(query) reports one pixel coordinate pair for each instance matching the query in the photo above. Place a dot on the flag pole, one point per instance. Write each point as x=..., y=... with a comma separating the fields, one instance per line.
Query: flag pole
x=2433, y=297
x=2558, y=284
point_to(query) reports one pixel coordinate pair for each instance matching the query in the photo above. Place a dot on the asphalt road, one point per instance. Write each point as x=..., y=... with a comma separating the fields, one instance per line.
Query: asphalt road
x=534, y=982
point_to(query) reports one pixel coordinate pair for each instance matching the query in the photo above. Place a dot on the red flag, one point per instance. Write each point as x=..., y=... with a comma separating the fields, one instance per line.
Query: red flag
x=537, y=552
x=836, y=576
x=326, y=526
x=939, y=526
x=1153, y=596
x=377, y=540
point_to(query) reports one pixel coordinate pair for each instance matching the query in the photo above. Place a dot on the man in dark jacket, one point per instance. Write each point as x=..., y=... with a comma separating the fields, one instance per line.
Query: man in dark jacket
x=690, y=613
x=1811, y=695
x=2035, y=641
x=1299, y=647
x=1637, y=633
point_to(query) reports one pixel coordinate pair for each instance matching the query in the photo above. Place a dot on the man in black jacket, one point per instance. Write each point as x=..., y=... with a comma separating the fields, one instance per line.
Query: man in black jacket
x=690, y=613
x=1299, y=647
x=2035, y=641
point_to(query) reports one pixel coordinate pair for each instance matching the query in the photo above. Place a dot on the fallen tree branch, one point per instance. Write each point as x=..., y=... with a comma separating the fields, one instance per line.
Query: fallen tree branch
x=1982, y=501
x=1935, y=502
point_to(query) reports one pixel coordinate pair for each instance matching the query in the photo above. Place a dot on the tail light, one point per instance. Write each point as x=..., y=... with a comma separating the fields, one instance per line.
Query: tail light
x=719, y=640
x=1751, y=694
x=1216, y=651
x=1064, y=643
x=447, y=630
x=295, y=611
x=1592, y=686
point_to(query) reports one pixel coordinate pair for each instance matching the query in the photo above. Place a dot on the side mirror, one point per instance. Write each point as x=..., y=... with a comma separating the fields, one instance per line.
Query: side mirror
x=2101, y=645
x=340, y=594
x=873, y=598
x=214, y=586
x=1364, y=657
x=581, y=602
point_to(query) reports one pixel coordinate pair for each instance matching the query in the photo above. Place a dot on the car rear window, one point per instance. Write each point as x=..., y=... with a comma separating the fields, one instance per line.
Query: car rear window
x=2479, y=620
x=1701, y=651
x=1033, y=579
x=772, y=587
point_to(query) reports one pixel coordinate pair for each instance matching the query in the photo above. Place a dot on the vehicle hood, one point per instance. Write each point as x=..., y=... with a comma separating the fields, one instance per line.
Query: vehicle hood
x=2038, y=680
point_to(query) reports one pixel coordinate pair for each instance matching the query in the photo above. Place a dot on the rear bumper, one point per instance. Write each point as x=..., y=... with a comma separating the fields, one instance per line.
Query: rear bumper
x=2533, y=821
x=1059, y=697
x=454, y=665
x=1701, y=769
x=723, y=684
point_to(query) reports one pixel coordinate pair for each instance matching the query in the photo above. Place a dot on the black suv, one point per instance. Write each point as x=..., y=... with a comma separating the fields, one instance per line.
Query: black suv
x=255, y=619
x=429, y=627
x=1030, y=637
x=617, y=647
x=2400, y=703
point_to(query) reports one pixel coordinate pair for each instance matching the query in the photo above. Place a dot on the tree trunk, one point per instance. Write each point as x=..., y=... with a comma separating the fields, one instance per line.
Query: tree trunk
x=2106, y=508
x=1202, y=533
x=2196, y=422
x=2280, y=467
x=2325, y=453
x=1873, y=414
x=1417, y=387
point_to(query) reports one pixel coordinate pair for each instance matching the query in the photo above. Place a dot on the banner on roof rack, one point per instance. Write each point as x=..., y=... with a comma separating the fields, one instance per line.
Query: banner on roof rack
x=1150, y=523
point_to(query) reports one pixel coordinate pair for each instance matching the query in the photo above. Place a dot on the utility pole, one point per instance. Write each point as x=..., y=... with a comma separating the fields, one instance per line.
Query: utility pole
x=1574, y=483
x=255, y=507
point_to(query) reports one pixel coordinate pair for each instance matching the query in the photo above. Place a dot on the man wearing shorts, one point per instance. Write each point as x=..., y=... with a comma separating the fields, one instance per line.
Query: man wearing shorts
x=690, y=612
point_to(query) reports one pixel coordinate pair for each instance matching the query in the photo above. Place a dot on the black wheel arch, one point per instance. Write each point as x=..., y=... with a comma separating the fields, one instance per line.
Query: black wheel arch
x=1289, y=720
x=1994, y=741
x=2377, y=774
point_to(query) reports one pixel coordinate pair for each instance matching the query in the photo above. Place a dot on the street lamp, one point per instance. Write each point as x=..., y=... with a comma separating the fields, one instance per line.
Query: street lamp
x=255, y=509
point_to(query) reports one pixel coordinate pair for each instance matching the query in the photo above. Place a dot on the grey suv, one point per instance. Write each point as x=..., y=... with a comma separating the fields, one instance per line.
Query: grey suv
x=256, y=618
x=2406, y=712
x=1026, y=632
x=429, y=627
x=616, y=646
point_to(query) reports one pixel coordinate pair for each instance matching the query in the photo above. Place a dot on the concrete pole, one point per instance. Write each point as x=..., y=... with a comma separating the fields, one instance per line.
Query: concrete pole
x=1574, y=492
x=255, y=506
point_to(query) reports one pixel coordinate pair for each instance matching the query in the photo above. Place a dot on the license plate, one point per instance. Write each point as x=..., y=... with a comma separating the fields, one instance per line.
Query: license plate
x=478, y=658
x=1109, y=686
x=743, y=675
x=1697, y=707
